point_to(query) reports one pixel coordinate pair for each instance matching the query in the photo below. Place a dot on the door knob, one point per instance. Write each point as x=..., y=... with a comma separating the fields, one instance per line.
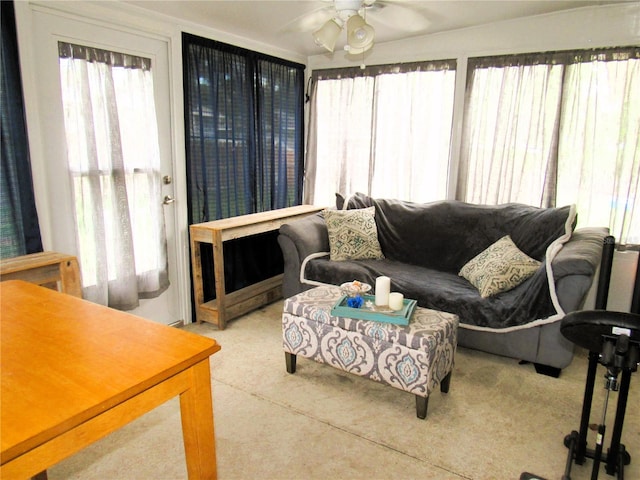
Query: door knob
x=168, y=199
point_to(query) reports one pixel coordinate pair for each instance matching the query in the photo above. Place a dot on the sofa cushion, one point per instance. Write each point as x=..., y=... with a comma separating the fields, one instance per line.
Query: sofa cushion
x=501, y=267
x=443, y=291
x=352, y=234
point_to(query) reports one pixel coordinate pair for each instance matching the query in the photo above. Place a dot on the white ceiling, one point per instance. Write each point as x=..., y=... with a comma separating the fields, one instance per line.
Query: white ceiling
x=287, y=25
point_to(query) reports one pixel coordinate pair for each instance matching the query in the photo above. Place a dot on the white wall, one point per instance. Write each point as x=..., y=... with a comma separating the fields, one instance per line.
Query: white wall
x=623, y=272
x=623, y=275
x=598, y=26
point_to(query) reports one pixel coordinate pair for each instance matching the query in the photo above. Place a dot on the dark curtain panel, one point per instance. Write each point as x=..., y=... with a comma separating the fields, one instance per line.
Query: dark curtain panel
x=244, y=148
x=19, y=230
x=279, y=129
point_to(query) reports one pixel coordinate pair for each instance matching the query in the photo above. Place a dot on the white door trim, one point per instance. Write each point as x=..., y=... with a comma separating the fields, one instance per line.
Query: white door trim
x=91, y=14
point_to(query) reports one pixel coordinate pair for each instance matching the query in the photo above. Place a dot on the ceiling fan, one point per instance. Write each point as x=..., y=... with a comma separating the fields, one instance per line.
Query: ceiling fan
x=353, y=14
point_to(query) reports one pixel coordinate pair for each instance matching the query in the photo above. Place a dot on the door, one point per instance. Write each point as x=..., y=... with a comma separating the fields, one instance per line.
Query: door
x=52, y=184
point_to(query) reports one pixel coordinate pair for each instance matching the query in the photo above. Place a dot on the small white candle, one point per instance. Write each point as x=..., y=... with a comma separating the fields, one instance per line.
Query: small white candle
x=396, y=301
x=383, y=286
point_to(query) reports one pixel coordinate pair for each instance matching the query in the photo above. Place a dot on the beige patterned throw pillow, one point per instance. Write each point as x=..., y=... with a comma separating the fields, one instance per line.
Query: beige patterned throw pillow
x=499, y=268
x=353, y=234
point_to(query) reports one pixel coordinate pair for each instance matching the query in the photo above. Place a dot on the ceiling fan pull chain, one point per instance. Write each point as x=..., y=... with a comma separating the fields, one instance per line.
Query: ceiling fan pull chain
x=364, y=16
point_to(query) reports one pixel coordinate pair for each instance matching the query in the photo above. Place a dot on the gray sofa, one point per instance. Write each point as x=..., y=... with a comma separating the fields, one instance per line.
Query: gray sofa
x=425, y=246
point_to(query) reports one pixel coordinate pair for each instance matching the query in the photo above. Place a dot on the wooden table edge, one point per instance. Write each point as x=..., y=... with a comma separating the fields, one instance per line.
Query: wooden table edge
x=194, y=381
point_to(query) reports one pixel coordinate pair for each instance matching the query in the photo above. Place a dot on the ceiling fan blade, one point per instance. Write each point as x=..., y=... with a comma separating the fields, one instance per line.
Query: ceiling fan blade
x=310, y=21
x=398, y=15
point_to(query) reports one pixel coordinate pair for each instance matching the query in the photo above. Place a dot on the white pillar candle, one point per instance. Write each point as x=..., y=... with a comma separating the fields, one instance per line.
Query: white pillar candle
x=396, y=301
x=383, y=286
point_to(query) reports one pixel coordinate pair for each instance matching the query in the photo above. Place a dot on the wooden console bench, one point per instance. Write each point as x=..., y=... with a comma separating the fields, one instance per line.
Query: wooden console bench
x=57, y=271
x=232, y=305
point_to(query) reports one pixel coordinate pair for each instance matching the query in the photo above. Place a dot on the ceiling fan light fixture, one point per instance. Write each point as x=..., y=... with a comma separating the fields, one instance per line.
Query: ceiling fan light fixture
x=327, y=35
x=357, y=51
x=360, y=34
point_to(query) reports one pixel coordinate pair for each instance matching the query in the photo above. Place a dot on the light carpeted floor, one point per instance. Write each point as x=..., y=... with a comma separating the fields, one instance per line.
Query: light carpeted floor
x=498, y=420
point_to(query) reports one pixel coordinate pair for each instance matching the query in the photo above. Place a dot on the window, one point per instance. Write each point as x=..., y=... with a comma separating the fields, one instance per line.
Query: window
x=244, y=126
x=555, y=129
x=244, y=145
x=114, y=164
x=599, y=151
x=509, y=146
x=384, y=131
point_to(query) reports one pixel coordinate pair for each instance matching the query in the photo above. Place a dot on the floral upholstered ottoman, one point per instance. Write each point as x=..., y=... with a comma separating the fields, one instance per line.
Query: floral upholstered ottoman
x=415, y=358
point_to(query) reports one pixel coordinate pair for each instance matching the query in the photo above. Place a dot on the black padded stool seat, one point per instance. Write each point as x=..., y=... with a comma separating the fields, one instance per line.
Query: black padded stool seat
x=586, y=328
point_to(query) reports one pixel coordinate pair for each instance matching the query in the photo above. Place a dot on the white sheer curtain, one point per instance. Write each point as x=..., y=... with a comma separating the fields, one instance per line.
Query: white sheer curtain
x=343, y=151
x=114, y=164
x=414, y=113
x=556, y=129
x=599, y=155
x=510, y=134
x=385, y=131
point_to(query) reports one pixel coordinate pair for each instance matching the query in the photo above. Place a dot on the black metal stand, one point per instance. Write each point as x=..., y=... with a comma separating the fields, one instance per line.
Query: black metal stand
x=613, y=340
x=620, y=354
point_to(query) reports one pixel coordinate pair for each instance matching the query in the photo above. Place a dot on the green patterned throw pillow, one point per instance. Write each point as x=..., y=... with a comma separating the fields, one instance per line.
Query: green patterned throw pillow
x=499, y=268
x=353, y=234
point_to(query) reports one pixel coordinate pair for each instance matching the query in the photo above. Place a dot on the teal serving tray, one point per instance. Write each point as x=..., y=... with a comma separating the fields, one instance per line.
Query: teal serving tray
x=376, y=314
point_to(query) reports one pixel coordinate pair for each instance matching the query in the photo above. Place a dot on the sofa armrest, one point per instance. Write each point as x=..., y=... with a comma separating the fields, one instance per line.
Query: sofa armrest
x=575, y=266
x=581, y=254
x=298, y=240
x=309, y=235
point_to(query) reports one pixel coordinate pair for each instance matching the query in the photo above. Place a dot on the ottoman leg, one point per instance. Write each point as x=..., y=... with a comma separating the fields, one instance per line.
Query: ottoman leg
x=290, y=358
x=445, y=383
x=421, y=406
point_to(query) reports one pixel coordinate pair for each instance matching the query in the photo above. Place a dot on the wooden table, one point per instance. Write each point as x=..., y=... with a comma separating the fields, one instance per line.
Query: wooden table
x=50, y=269
x=227, y=306
x=73, y=372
